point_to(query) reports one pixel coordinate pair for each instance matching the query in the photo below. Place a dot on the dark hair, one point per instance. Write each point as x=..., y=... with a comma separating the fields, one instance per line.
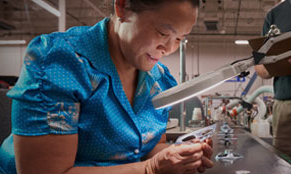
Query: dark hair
x=142, y=5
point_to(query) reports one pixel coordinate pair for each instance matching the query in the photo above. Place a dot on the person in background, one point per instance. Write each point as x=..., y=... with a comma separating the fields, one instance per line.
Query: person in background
x=4, y=85
x=83, y=101
x=280, y=15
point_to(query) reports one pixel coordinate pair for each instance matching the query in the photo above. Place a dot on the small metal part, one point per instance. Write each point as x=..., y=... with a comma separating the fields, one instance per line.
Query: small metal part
x=228, y=157
x=201, y=135
x=274, y=31
x=225, y=129
x=226, y=135
x=227, y=138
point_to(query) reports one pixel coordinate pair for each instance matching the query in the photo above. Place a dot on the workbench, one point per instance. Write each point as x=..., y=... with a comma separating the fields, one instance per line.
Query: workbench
x=259, y=156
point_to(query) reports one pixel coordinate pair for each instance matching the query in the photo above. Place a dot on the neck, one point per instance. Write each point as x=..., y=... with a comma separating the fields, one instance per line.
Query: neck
x=115, y=51
x=126, y=72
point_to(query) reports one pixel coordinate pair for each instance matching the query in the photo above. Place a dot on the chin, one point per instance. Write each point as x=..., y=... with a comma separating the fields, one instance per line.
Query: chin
x=147, y=68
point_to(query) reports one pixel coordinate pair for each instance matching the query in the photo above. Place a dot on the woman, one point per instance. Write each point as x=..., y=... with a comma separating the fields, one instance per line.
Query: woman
x=84, y=97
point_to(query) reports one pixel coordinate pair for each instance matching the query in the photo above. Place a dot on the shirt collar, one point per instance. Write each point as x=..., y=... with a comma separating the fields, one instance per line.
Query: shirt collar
x=93, y=44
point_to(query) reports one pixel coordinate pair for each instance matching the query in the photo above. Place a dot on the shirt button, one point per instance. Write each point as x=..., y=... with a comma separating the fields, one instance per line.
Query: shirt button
x=136, y=151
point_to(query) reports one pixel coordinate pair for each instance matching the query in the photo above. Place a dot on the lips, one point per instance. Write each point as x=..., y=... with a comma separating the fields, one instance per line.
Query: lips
x=152, y=58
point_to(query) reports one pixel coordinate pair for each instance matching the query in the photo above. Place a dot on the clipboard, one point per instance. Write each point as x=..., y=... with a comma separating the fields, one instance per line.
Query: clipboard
x=281, y=67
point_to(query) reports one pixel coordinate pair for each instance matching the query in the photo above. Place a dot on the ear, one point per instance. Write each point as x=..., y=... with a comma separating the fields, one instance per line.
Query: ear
x=119, y=7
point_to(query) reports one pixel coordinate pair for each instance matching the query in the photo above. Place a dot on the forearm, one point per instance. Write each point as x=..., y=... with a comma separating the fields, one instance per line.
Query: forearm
x=33, y=156
x=132, y=168
x=262, y=72
x=159, y=147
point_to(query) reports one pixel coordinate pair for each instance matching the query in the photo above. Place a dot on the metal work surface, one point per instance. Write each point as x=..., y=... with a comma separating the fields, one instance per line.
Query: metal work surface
x=259, y=157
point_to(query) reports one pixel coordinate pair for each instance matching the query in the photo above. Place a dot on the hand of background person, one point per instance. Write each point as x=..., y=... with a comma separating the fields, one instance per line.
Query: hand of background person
x=178, y=159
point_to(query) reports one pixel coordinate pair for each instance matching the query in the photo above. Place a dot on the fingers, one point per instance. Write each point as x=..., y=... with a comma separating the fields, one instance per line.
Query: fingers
x=195, y=141
x=201, y=169
x=207, y=150
x=185, y=158
x=193, y=166
x=207, y=163
x=190, y=171
x=193, y=158
x=189, y=149
x=209, y=141
x=184, y=152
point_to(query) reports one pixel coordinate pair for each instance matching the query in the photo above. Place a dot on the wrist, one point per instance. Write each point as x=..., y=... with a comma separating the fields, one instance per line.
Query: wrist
x=150, y=166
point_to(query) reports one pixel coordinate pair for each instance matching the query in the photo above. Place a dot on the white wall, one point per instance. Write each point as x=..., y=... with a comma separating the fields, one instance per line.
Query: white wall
x=212, y=56
x=11, y=60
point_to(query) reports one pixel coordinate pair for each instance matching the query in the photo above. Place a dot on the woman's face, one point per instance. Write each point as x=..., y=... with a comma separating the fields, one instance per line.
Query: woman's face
x=146, y=37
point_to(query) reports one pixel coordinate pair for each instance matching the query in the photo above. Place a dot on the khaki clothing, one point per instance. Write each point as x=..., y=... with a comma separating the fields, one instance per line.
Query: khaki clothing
x=282, y=126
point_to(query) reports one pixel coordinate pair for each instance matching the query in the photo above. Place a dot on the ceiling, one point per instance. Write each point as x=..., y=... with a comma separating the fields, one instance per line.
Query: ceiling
x=218, y=19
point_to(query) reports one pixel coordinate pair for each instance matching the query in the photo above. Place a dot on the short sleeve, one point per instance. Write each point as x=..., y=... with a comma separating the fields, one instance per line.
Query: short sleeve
x=267, y=23
x=52, y=84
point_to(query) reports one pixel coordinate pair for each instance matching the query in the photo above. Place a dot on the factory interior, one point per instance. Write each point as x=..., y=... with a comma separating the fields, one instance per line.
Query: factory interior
x=219, y=94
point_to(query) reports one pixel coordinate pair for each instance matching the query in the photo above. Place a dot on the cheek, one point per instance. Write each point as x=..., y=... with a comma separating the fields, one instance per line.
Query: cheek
x=145, y=43
x=148, y=38
x=176, y=46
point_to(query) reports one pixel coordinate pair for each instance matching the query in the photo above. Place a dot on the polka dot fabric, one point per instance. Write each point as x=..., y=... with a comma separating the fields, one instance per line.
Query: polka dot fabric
x=69, y=85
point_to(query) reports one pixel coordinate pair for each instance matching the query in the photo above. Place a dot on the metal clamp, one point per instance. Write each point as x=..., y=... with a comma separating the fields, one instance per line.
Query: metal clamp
x=201, y=135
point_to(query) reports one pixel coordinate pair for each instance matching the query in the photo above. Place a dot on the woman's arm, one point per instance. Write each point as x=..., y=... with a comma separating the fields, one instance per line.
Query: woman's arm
x=159, y=147
x=56, y=154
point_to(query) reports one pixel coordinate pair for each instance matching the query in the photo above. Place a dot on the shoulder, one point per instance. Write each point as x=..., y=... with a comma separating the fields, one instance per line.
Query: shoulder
x=56, y=41
x=279, y=8
x=75, y=39
x=56, y=47
x=280, y=16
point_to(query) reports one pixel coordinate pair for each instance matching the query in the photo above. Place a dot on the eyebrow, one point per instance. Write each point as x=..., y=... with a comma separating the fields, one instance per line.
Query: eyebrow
x=168, y=26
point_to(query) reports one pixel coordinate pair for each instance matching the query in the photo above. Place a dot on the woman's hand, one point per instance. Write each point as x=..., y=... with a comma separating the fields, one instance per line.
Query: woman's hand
x=207, y=153
x=178, y=159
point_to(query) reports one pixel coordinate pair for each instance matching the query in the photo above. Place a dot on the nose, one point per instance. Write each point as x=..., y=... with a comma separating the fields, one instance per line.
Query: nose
x=166, y=47
x=162, y=49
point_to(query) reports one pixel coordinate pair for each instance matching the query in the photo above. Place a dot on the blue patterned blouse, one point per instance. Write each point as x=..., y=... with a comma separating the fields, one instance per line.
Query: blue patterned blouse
x=69, y=85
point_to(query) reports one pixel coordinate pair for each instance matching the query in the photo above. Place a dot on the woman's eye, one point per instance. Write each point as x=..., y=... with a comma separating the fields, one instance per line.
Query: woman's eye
x=179, y=39
x=162, y=34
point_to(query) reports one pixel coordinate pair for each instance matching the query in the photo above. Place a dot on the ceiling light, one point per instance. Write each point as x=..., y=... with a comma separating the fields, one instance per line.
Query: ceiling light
x=241, y=42
x=12, y=42
x=48, y=7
